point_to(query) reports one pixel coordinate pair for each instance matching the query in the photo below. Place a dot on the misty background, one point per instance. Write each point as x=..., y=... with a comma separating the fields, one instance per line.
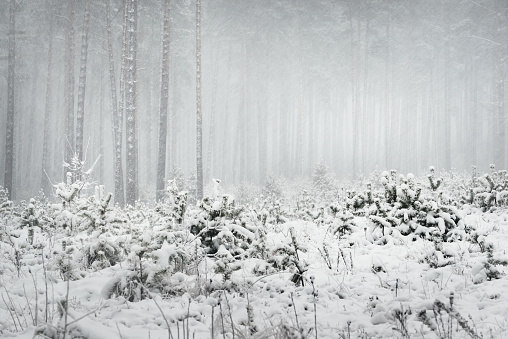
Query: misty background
x=358, y=85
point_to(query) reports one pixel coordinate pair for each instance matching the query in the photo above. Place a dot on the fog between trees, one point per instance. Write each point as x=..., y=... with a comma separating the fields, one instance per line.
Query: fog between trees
x=358, y=85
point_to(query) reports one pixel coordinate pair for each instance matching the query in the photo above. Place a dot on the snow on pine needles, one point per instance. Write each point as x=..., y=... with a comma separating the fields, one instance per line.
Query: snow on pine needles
x=397, y=257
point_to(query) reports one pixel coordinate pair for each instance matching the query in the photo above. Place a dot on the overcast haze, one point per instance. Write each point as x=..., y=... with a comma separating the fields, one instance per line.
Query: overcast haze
x=358, y=85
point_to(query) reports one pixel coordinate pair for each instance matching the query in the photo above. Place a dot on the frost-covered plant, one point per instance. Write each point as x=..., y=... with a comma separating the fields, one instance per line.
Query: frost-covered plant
x=63, y=260
x=225, y=264
x=220, y=222
x=173, y=207
x=408, y=210
x=93, y=212
x=286, y=256
x=491, y=189
x=100, y=253
x=272, y=187
x=441, y=320
x=358, y=204
x=322, y=181
x=6, y=209
x=127, y=285
x=305, y=206
x=272, y=212
x=433, y=182
x=343, y=220
x=486, y=268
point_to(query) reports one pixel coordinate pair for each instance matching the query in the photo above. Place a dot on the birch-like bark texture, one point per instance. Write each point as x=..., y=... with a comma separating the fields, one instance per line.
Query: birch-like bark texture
x=80, y=116
x=163, y=112
x=45, y=183
x=447, y=112
x=69, y=83
x=117, y=116
x=501, y=76
x=132, y=142
x=9, y=135
x=199, y=117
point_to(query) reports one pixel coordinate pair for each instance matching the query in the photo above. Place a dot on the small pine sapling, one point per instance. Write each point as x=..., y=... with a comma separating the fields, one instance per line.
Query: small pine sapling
x=434, y=183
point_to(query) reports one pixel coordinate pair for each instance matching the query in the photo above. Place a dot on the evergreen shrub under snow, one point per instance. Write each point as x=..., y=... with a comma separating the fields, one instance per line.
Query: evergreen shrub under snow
x=224, y=261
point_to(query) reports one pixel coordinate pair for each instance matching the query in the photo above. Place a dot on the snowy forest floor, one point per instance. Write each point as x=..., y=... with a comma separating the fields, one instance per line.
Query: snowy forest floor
x=400, y=257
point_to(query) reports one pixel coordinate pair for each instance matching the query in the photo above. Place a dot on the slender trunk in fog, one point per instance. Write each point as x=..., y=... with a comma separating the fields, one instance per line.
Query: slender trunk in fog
x=117, y=116
x=80, y=116
x=225, y=169
x=501, y=75
x=45, y=182
x=387, y=115
x=365, y=121
x=447, y=111
x=163, y=113
x=474, y=111
x=69, y=83
x=9, y=135
x=131, y=109
x=199, y=118
x=262, y=133
x=211, y=135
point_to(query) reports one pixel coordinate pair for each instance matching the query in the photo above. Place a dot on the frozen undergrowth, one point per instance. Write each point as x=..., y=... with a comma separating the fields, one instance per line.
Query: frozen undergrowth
x=399, y=257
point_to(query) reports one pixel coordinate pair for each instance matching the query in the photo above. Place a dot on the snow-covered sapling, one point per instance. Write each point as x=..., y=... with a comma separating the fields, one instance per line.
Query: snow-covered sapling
x=434, y=183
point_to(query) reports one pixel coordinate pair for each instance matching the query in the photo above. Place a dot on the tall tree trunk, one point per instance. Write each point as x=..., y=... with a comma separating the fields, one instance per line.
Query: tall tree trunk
x=69, y=83
x=447, y=113
x=501, y=75
x=225, y=146
x=474, y=111
x=310, y=118
x=101, y=134
x=80, y=116
x=45, y=182
x=299, y=152
x=117, y=116
x=211, y=134
x=365, y=121
x=132, y=142
x=262, y=134
x=163, y=113
x=387, y=98
x=199, y=117
x=9, y=135
x=355, y=70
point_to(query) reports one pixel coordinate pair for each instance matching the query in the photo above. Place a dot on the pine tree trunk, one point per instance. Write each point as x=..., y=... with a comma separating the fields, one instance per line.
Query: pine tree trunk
x=365, y=121
x=117, y=116
x=299, y=153
x=474, y=111
x=9, y=135
x=262, y=135
x=163, y=113
x=387, y=98
x=101, y=134
x=132, y=143
x=211, y=134
x=69, y=82
x=80, y=116
x=45, y=182
x=225, y=171
x=447, y=113
x=501, y=75
x=199, y=118
x=310, y=118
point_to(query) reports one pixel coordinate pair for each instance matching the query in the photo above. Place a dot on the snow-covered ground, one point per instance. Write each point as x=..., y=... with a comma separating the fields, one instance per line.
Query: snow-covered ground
x=137, y=273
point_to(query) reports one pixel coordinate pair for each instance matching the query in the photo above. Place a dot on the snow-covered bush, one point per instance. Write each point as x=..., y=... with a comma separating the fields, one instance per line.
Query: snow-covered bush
x=286, y=256
x=323, y=181
x=219, y=222
x=173, y=207
x=409, y=211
